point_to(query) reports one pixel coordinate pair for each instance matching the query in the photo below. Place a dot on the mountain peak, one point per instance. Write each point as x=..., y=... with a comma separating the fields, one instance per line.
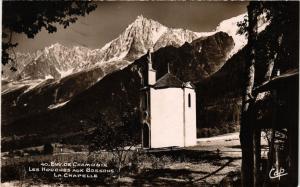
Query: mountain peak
x=143, y=21
x=140, y=17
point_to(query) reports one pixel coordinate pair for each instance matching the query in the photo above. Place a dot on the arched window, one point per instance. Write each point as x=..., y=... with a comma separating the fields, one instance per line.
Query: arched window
x=189, y=100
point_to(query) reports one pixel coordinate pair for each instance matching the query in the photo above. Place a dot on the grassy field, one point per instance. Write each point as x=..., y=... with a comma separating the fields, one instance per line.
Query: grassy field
x=209, y=163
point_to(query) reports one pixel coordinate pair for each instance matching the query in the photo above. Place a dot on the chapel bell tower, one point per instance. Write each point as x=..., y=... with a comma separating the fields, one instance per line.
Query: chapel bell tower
x=149, y=77
x=151, y=71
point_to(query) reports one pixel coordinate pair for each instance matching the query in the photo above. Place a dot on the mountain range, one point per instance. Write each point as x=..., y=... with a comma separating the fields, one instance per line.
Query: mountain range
x=56, y=88
x=58, y=61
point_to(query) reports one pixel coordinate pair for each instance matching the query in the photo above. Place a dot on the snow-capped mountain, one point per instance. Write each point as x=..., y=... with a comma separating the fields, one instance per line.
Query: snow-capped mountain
x=230, y=26
x=57, y=61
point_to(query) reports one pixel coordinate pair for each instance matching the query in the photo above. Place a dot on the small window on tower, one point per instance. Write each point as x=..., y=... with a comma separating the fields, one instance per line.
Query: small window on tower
x=189, y=100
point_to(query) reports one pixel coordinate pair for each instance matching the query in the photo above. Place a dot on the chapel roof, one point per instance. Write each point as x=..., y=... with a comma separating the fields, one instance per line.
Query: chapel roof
x=169, y=80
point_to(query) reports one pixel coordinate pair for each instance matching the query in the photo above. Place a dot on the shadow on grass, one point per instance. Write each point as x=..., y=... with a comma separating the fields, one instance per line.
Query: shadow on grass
x=182, y=177
x=174, y=177
x=158, y=177
x=217, y=170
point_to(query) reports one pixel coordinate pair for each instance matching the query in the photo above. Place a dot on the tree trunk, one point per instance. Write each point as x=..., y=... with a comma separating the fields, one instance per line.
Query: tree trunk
x=247, y=131
x=270, y=67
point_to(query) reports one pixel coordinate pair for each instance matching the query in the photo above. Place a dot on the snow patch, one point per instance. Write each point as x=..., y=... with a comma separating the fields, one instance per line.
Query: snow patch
x=65, y=73
x=158, y=34
x=106, y=46
x=58, y=105
x=31, y=83
x=231, y=28
x=204, y=34
x=49, y=77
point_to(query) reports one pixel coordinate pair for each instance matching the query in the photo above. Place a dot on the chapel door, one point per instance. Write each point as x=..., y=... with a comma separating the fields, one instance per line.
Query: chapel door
x=146, y=137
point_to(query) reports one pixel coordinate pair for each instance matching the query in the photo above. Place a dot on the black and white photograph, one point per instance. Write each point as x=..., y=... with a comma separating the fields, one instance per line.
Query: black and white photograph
x=150, y=93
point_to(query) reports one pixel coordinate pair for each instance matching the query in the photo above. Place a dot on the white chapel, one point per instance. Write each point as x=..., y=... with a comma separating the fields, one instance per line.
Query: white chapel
x=168, y=110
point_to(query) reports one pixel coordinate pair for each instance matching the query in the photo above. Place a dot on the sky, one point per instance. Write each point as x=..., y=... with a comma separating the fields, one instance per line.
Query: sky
x=110, y=19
